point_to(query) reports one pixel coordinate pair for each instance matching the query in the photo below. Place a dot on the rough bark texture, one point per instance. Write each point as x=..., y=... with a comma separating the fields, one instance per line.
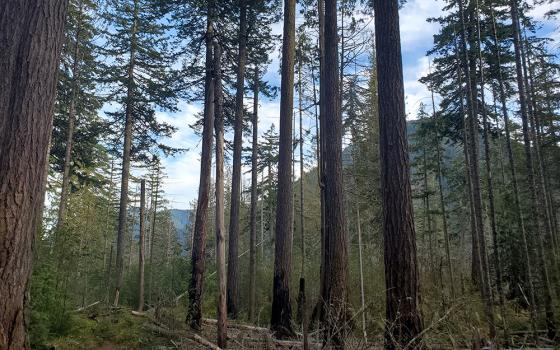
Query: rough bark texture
x=281, y=319
x=220, y=225
x=404, y=323
x=31, y=37
x=199, y=235
x=334, y=294
x=537, y=224
x=233, y=250
x=123, y=203
x=71, y=124
x=254, y=200
x=141, y=247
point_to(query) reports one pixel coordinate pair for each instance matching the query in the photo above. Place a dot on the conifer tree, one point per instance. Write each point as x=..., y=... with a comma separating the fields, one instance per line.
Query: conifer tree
x=141, y=79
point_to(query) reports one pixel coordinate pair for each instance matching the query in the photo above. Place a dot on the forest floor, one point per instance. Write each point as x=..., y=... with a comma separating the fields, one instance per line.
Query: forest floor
x=102, y=328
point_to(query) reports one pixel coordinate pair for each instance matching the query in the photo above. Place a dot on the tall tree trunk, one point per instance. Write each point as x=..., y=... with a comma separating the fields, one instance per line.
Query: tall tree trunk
x=254, y=200
x=335, y=294
x=489, y=180
x=220, y=225
x=31, y=33
x=537, y=227
x=518, y=210
x=123, y=203
x=281, y=319
x=404, y=322
x=64, y=191
x=199, y=235
x=472, y=135
x=233, y=250
x=141, y=246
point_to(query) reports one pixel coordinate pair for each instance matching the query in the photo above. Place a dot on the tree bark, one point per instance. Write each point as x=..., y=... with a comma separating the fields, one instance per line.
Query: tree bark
x=281, y=319
x=220, y=225
x=123, y=203
x=254, y=200
x=335, y=294
x=31, y=33
x=233, y=250
x=199, y=235
x=141, y=246
x=404, y=323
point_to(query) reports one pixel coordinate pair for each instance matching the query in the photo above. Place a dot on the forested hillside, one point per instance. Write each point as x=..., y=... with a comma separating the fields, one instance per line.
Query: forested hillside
x=266, y=174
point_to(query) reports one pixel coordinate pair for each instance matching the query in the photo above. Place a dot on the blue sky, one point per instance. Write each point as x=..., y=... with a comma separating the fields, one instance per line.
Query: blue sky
x=181, y=184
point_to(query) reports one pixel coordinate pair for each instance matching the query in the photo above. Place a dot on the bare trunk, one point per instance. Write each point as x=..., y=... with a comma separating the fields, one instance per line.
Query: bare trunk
x=404, y=322
x=31, y=33
x=123, y=203
x=199, y=235
x=153, y=232
x=233, y=250
x=472, y=134
x=281, y=319
x=220, y=225
x=254, y=200
x=141, y=246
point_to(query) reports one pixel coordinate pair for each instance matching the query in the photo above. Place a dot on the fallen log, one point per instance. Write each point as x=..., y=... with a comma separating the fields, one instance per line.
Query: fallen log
x=237, y=325
x=203, y=341
x=87, y=306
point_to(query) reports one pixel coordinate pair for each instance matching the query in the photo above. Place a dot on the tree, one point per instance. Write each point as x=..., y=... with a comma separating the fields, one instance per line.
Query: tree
x=334, y=294
x=138, y=47
x=254, y=195
x=220, y=227
x=141, y=245
x=199, y=235
x=76, y=97
x=32, y=35
x=281, y=318
x=404, y=322
x=236, y=179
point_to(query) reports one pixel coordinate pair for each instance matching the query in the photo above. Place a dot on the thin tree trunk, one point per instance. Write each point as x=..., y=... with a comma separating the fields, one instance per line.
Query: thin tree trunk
x=489, y=180
x=254, y=200
x=123, y=203
x=440, y=176
x=31, y=33
x=404, y=322
x=199, y=235
x=64, y=191
x=220, y=225
x=281, y=319
x=153, y=231
x=518, y=210
x=472, y=132
x=141, y=246
x=537, y=227
x=236, y=178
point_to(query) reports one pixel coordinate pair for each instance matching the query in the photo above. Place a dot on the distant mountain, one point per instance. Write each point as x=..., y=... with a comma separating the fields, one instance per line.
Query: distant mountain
x=180, y=218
